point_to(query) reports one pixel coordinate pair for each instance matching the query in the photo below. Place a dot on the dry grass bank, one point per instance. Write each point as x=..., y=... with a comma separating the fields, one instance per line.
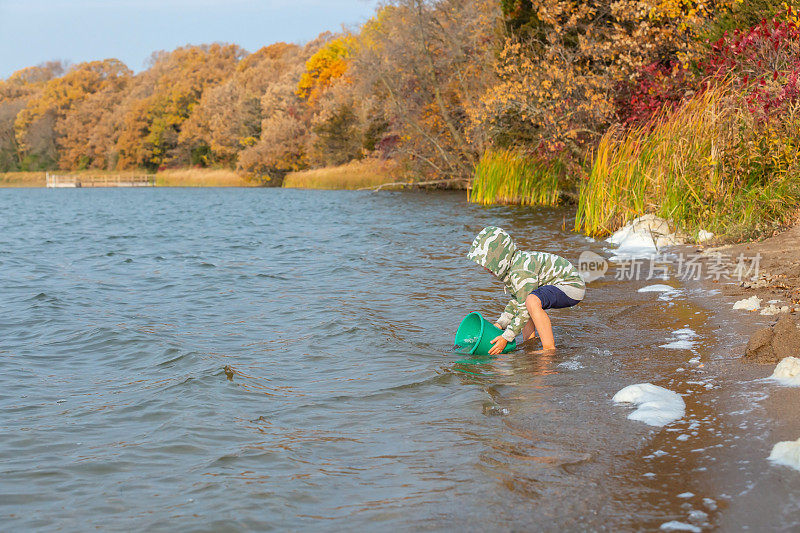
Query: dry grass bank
x=22, y=179
x=201, y=177
x=353, y=175
x=183, y=177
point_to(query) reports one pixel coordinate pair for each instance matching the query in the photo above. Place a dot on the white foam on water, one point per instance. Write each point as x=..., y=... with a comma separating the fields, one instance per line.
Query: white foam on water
x=656, y=406
x=710, y=504
x=787, y=372
x=697, y=515
x=686, y=495
x=571, y=365
x=678, y=345
x=786, y=453
x=658, y=288
x=682, y=340
x=674, y=525
x=748, y=304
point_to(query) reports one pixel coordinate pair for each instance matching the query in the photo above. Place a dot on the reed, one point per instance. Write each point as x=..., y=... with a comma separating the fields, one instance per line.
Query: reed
x=202, y=177
x=710, y=165
x=508, y=177
x=353, y=175
x=22, y=179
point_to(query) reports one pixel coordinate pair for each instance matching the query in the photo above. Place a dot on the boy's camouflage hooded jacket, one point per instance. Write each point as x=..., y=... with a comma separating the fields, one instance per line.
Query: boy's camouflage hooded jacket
x=522, y=272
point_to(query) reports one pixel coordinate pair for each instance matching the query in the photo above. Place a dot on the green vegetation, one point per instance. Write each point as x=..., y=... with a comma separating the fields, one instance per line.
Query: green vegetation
x=711, y=165
x=505, y=176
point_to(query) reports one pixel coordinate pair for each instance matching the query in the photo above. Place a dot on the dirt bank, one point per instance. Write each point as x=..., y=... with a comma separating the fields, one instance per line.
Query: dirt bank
x=776, y=284
x=779, y=266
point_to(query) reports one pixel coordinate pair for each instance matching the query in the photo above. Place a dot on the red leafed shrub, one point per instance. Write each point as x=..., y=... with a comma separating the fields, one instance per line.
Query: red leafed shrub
x=656, y=87
x=763, y=61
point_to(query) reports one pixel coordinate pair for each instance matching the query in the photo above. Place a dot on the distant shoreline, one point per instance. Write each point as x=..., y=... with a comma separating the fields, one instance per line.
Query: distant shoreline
x=182, y=177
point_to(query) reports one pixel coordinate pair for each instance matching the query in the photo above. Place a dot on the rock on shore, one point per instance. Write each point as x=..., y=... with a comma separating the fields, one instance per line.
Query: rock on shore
x=770, y=345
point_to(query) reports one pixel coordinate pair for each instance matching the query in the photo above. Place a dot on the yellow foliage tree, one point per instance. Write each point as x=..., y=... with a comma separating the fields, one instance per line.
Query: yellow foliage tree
x=325, y=66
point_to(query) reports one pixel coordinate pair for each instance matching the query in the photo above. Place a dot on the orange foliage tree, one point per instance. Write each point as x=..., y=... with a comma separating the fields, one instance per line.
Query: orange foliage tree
x=227, y=119
x=42, y=115
x=15, y=93
x=169, y=91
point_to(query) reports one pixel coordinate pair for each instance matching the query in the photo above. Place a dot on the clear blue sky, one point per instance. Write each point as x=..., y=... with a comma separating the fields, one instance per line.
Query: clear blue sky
x=34, y=31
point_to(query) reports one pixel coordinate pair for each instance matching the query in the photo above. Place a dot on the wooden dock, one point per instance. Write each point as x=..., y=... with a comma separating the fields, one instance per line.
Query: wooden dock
x=100, y=180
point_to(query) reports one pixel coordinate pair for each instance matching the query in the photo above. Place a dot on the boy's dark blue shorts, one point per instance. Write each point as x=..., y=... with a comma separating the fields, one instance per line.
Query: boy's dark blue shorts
x=553, y=298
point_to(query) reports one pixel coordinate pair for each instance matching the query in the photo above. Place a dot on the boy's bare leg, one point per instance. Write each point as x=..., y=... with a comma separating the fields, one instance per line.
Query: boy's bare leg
x=541, y=321
x=529, y=331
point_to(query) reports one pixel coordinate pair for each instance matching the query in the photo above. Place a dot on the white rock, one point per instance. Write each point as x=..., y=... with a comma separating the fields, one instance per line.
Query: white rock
x=748, y=304
x=774, y=310
x=704, y=236
x=786, y=453
x=644, y=236
x=656, y=406
x=787, y=372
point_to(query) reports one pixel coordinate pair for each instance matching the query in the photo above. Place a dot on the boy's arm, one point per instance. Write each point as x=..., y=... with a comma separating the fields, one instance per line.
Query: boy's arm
x=507, y=316
x=519, y=317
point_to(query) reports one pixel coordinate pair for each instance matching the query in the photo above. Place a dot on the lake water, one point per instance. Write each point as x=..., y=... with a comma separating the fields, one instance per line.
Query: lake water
x=239, y=359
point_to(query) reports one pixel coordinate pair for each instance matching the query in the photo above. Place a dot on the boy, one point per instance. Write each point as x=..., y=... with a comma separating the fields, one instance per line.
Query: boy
x=537, y=280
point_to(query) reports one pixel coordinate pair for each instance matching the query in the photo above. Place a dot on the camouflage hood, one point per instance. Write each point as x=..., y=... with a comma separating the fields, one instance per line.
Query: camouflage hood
x=494, y=249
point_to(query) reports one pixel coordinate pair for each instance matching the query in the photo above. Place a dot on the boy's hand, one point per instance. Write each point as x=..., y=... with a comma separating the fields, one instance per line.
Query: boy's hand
x=497, y=325
x=498, y=345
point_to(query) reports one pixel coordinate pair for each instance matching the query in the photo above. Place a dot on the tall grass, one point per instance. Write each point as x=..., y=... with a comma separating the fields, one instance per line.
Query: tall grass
x=507, y=177
x=712, y=165
x=353, y=175
x=202, y=177
x=22, y=179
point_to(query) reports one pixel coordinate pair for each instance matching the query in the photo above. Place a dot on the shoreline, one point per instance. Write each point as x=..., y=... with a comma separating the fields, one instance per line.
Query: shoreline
x=779, y=266
x=181, y=177
x=744, y=404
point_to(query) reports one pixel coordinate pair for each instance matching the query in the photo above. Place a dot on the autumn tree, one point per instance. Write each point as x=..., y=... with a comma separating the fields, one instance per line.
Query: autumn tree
x=564, y=60
x=88, y=134
x=429, y=63
x=168, y=93
x=15, y=93
x=36, y=126
x=283, y=144
x=227, y=119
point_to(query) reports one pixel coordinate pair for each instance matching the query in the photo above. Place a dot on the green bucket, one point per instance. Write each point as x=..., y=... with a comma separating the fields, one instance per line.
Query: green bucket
x=475, y=334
